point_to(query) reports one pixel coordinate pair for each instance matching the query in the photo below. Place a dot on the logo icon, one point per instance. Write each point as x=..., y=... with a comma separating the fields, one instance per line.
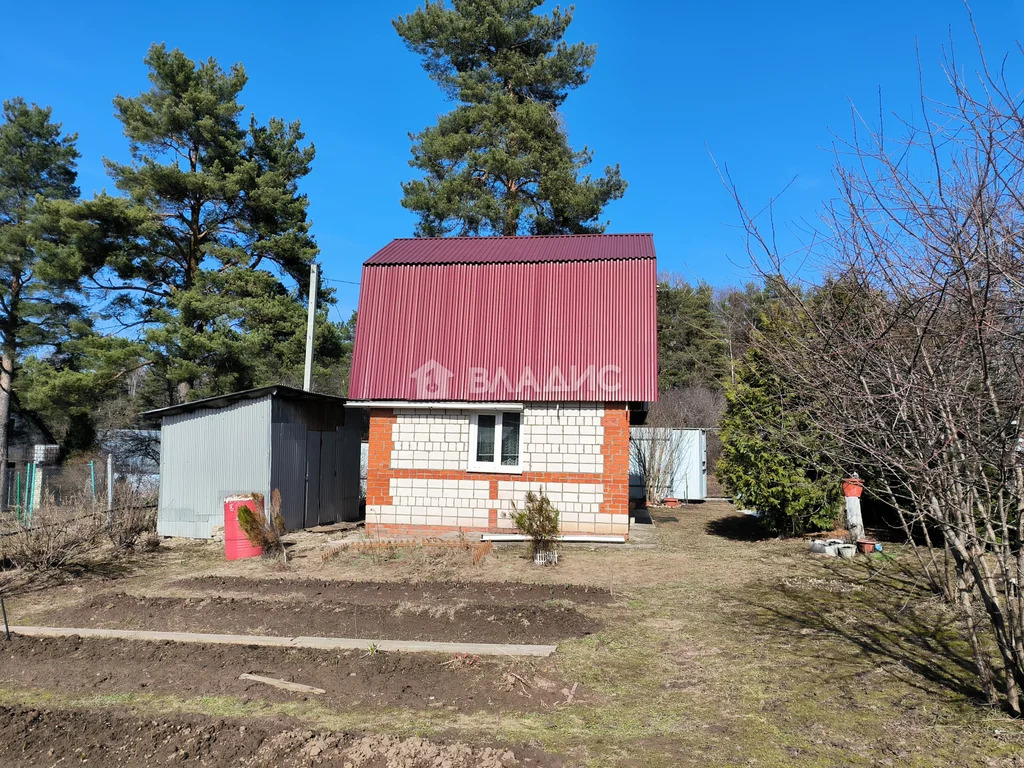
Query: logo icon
x=432, y=381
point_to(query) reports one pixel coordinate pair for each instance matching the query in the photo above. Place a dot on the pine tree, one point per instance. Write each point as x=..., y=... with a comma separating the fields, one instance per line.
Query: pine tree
x=500, y=162
x=40, y=272
x=692, y=349
x=216, y=247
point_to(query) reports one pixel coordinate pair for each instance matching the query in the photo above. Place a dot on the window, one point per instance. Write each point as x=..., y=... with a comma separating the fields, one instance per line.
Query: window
x=494, y=442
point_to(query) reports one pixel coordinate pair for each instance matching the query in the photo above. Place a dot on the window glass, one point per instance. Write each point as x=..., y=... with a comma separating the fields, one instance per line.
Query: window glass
x=510, y=439
x=485, y=437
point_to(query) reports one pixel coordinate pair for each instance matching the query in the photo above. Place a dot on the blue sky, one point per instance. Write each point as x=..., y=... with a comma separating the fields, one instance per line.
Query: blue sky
x=761, y=85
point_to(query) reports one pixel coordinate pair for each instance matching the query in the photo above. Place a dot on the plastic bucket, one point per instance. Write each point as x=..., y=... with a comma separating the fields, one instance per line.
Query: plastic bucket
x=853, y=486
x=846, y=551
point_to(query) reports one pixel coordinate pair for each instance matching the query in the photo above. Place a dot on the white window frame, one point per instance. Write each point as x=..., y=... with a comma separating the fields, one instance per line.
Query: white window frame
x=495, y=465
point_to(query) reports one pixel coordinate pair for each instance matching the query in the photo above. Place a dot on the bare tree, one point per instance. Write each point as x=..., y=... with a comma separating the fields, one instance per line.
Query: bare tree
x=913, y=358
x=653, y=454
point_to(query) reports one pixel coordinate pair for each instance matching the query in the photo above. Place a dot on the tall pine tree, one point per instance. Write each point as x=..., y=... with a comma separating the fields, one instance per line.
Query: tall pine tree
x=691, y=340
x=500, y=163
x=39, y=270
x=216, y=243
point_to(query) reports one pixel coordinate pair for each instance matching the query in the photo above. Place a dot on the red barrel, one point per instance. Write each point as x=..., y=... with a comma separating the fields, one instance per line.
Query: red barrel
x=236, y=543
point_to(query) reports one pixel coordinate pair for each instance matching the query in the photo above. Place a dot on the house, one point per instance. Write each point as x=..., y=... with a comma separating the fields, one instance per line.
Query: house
x=497, y=366
x=29, y=442
x=28, y=439
x=303, y=444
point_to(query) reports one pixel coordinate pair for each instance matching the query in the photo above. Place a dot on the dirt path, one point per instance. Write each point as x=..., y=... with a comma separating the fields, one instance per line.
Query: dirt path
x=44, y=738
x=446, y=622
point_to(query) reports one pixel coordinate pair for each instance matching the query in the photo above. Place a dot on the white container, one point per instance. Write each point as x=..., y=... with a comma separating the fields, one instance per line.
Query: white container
x=830, y=550
x=846, y=551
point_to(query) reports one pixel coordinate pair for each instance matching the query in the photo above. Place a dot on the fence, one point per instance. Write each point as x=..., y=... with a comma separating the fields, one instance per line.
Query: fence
x=30, y=485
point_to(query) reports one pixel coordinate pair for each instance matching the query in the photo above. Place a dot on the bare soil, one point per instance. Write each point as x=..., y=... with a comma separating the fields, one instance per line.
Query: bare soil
x=439, y=621
x=31, y=738
x=386, y=593
x=350, y=678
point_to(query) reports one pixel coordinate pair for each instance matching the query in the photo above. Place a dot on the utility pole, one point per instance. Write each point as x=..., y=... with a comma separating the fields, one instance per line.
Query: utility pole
x=314, y=283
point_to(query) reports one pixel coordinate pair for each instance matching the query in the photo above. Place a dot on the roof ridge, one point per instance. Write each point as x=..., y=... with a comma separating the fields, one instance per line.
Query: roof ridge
x=483, y=261
x=528, y=237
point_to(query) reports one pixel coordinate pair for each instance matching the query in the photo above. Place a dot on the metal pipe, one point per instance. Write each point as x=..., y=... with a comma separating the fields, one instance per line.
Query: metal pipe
x=110, y=487
x=30, y=491
x=595, y=539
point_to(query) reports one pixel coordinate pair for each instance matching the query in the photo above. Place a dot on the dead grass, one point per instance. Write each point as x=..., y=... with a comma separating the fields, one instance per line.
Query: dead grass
x=721, y=649
x=433, y=610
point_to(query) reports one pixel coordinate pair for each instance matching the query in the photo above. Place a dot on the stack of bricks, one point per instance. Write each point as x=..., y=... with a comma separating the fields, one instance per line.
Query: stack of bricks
x=418, y=483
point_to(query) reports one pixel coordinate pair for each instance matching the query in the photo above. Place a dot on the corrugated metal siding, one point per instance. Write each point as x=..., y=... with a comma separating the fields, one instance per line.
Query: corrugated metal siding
x=684, y=453
x=533, y=248
x=336, y=432
x=207, y=455
x=288, y=471
x=507, y=316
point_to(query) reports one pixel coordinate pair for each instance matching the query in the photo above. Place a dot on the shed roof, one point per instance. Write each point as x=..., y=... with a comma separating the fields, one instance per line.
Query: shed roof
x=223, y=401
x=565, y=318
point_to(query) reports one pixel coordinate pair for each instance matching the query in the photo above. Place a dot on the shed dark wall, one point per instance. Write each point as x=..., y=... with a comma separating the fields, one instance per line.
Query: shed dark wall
x=315, y=450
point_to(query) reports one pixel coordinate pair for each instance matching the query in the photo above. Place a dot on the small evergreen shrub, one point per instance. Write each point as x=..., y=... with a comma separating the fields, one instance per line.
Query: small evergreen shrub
x=538, y=519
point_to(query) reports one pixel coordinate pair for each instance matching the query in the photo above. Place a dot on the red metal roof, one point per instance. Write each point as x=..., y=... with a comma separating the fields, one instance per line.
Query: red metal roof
x=491, y=250
x=509, y=319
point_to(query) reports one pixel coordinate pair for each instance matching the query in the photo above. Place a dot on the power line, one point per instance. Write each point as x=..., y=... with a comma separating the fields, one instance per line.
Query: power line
x=332, y=280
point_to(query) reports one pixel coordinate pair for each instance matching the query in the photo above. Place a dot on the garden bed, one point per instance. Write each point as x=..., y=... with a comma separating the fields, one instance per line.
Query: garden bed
x=350, y=679
x=455, y=621
x=385, y=593
x=34, y=738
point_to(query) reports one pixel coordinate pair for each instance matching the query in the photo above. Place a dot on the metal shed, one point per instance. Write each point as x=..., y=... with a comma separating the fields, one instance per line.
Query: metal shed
x=679, y=457
x=303, y=444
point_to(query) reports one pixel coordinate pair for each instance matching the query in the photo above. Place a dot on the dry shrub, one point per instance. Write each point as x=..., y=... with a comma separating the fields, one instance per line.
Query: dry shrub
x=482, y=550
x=62, y=537
x=133, y=519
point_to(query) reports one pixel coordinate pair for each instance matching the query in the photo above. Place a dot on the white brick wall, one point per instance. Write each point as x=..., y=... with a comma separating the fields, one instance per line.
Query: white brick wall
x=430, y=440
x=563, y=439
x=553, y=439
x=415, y=501
x=578, y=504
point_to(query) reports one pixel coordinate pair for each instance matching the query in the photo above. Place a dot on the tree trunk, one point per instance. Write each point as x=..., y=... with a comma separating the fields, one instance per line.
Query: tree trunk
x=6, y=371
x=854, y=521
x=982, y=663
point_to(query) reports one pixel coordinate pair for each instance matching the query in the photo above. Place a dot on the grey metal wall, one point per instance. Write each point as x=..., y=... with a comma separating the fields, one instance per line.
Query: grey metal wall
x=206, y=455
